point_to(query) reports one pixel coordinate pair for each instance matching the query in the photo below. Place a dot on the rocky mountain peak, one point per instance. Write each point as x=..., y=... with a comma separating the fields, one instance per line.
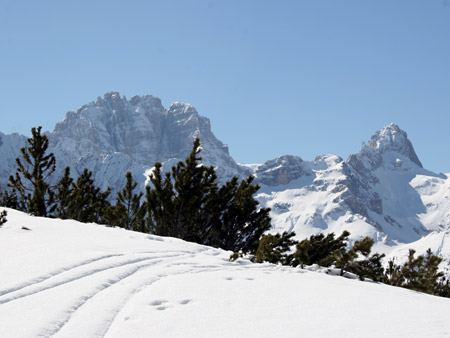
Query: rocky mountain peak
x=178, y=109
x=392, y=138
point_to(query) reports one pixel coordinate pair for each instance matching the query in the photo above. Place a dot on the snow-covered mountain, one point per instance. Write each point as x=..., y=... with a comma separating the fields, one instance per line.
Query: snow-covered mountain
x=383, y=191
x=69, y=279
x=114, y=135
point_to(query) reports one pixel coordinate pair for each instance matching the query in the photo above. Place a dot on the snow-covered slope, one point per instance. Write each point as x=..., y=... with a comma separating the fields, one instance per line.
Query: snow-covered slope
x=68, y=279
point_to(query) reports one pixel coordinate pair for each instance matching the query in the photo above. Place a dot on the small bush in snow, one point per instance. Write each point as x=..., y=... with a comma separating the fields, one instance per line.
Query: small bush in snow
x=2, y=217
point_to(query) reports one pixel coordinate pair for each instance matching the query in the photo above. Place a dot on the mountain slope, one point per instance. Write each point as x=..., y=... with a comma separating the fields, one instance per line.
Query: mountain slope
x=68, y=279
x=383, y=191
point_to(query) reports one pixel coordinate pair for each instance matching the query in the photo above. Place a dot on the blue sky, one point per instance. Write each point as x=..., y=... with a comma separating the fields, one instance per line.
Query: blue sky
x=297, y=77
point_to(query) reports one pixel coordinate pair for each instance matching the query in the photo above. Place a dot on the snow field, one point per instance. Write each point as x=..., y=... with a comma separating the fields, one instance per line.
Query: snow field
x=68, y=279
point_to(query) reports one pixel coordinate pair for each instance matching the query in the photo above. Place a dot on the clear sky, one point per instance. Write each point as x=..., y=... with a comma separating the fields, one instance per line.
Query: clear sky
x=301, y=77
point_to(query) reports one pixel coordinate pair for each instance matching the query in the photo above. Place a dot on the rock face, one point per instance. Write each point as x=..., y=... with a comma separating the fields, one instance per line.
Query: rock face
x=281, y=170
x=383, y=191
x=113, y=135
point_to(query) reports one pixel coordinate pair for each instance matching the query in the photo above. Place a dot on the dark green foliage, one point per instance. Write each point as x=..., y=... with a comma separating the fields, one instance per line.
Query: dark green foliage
x=187, y=203
x=442, y=288
x=9, y=199
x=160, y=203
x=418, y=273
x=239, y=224
x=63, y=195
x=326, y=250
x=276, y=248
x=370, y=267
x=346, y=260
x=3, y=215
x=31, y=178
x=129, y=212
x=194, y=187
x=86, y=203
x=320, y=249
x=393, y=275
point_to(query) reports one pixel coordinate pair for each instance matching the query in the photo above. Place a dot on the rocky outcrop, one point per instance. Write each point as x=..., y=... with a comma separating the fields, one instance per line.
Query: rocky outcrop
x=114, y=135
x=280, y=171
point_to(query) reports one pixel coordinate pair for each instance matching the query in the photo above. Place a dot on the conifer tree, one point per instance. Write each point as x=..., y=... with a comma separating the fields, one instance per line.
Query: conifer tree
x=275, y=248
x=87, y=202
x=179, y=204
x=160, y=204
x=63, y=195
x=3, y=215
x=129, y=212
x=345, y=259
x=319, y=249
x=419, y=273
x=370, y=267
x=241, y=222
x=187, y=203
x=31, y=178
x=9, y=199
x=442, y=288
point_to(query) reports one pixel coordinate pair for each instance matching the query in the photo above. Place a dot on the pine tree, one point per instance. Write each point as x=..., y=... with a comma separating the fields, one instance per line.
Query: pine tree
x=194, y=186
x=346, y=259
x=442, y=288
x=160, y=204
x=431, y=273
x=419, y=273
x=9, y=199
x=241, y=222
x=275, y=248
x=31, y=178
x=129, y=212
x=3, y=215
x=180, y=205
x=393, y=274
x=187, y=203
x=320, y=249
x=370, y=267
x=87, y=202
x=63, y=195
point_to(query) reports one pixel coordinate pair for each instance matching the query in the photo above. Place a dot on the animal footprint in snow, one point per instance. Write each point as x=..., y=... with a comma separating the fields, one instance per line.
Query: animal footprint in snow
x=185, y=301
x=158, y=302
x=229, y=278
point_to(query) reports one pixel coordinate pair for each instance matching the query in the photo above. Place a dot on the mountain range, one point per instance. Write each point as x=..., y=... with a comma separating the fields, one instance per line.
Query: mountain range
x=383, y=191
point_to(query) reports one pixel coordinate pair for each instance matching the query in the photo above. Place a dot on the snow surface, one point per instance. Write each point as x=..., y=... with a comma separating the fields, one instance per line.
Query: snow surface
x=68, y=279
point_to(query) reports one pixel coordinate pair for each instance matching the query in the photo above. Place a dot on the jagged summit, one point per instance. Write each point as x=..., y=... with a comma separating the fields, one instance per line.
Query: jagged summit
x=114, y=135
x=392, y=138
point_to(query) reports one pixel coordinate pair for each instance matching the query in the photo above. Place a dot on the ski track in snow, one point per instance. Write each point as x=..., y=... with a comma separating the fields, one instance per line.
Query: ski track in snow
x=122, y=284
x=38, y=287
x=114, y=274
